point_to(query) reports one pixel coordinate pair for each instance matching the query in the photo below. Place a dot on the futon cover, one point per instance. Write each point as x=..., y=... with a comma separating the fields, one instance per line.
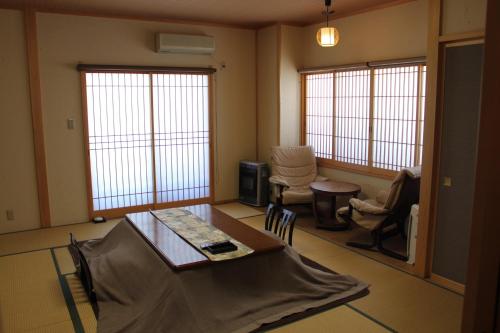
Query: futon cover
x=138, y=292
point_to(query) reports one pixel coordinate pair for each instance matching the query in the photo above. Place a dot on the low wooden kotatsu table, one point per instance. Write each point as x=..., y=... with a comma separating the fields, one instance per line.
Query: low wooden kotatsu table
x=325, y=202
x=179, y=254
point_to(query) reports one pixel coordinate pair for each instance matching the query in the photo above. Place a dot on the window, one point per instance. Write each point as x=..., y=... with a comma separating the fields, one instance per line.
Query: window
x=148, y=139
x=367, y=119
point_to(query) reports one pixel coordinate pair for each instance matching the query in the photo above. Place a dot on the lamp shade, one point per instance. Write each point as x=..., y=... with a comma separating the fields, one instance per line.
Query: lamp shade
x=327, y=36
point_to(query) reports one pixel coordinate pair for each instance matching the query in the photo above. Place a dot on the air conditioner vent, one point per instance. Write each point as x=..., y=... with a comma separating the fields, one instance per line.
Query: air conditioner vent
x=191, y=44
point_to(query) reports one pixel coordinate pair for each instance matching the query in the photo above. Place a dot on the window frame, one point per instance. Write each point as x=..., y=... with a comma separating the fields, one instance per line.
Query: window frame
x=83, y=69
x=369, y=169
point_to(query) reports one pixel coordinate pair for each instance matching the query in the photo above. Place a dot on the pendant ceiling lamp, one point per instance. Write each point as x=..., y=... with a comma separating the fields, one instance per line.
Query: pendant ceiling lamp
x=327, y=36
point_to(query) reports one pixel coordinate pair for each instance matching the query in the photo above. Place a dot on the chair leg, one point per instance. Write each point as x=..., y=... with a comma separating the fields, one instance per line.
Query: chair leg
x=390, y=253
x=377, y=243
x=366, y=246
x=389, y=234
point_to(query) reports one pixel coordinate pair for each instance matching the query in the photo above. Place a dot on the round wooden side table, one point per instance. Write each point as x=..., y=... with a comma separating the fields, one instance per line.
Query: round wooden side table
x=325, y=203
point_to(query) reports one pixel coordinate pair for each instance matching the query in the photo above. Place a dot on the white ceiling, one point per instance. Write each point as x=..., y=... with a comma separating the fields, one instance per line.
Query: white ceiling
x=248, y=13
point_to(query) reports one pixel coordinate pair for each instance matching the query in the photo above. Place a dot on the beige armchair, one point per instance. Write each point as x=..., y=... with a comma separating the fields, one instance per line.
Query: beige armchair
x=385, y=215
x=292, y=170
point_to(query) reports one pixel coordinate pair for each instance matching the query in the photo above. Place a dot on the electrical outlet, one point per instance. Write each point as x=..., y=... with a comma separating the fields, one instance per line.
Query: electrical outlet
x=10, y=214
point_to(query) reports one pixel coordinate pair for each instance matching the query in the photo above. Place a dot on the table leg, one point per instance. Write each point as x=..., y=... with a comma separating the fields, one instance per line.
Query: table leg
x=329, y=222
x=315, y=208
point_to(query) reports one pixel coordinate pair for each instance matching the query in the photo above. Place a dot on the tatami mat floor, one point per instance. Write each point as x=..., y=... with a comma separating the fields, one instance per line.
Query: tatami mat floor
x=40, y=293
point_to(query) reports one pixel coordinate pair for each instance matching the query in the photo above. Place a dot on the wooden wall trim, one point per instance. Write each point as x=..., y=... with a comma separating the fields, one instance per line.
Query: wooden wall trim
x=256, y=94
x=355, y=168
x=85, y=123
x=37, y=116
x=447, y=283
x=93, y=68
x=427, y=183
x=481, y=311
x=212, y=114
x=303, y=87
x=278, y=82
x=462, y=36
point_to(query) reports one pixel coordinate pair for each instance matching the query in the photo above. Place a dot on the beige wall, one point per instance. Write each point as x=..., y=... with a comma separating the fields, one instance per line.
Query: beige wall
x=17, y=166
x=390, y=33
x=65, y=41
x=267, y=90
x=291, y=61
x=463, y=16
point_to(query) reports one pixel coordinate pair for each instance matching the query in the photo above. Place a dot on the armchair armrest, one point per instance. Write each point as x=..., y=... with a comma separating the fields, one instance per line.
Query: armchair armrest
x=367, y=208
x=277, y=180
x=281, y=184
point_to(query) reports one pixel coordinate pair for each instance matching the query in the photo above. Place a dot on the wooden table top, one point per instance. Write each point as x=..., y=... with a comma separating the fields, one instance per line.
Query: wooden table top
x=335, y=188
x=179, y=254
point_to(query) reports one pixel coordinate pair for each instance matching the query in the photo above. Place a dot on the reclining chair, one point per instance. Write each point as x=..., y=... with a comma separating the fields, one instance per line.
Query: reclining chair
x=385, y=216
x=292, y=170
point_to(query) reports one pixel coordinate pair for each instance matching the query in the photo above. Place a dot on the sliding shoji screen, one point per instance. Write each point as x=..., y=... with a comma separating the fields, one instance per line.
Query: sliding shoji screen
x=148, y=138
x=181, y=130
x=119, y=139
x=397, y=117
x=368, y=118
x=352, y=116
x=319, y=115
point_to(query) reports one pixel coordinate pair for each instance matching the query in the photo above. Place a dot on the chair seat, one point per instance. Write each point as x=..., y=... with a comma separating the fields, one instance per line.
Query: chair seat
x=297, y=195
x=366, y=221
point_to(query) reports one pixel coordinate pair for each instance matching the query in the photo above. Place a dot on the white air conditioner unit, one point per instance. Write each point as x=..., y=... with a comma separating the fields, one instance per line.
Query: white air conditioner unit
x=192, y=44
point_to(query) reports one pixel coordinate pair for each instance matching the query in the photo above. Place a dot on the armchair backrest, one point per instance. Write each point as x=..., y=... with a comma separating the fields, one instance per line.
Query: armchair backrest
x=297, y=165
x=404, y=189
x=410, y=194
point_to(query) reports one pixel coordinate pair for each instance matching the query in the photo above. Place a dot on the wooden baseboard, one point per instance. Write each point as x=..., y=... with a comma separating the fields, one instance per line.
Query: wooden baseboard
x=448, y=284
x=221, y=202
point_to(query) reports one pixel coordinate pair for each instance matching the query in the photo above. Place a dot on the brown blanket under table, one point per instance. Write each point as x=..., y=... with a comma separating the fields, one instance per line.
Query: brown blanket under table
x=137, y=292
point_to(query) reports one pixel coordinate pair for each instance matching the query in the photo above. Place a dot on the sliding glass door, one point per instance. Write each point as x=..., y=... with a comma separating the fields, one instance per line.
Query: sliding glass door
x=181, y=131
x=147, y=140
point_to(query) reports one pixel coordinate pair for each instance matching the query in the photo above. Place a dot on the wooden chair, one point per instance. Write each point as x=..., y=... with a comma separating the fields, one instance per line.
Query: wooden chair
x=283, y=220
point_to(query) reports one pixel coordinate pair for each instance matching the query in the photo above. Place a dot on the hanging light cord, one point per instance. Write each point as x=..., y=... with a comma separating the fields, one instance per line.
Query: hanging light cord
x=328, y=3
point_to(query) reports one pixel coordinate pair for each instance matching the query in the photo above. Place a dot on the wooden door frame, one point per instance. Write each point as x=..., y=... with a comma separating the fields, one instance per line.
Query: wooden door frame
x=441, y=280
x=120, y=212
x=432, y=136
x=481, y=305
